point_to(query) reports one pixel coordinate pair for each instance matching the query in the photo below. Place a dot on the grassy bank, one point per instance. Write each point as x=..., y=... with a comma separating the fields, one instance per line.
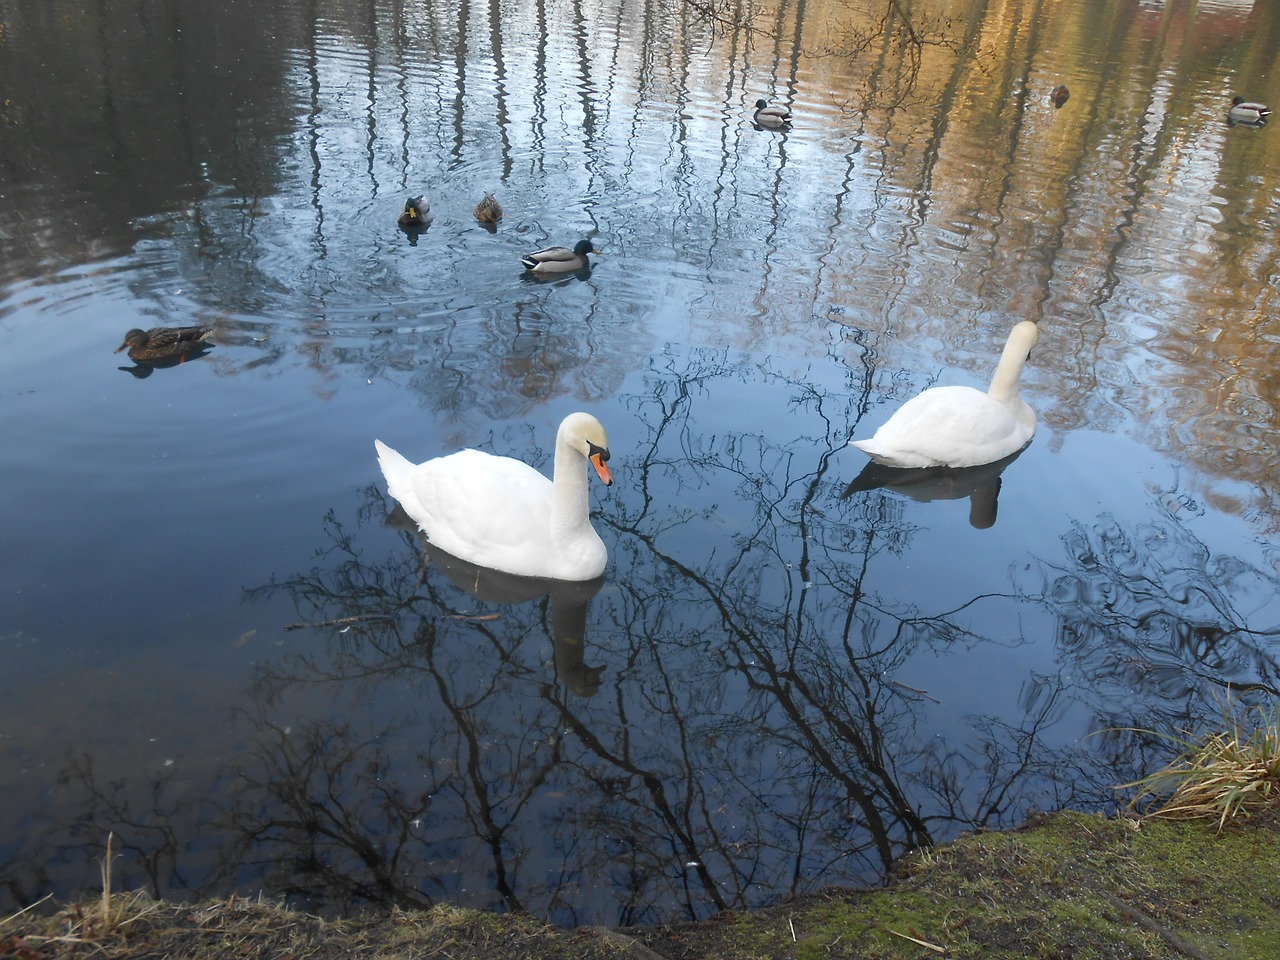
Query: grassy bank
x=1070, y=885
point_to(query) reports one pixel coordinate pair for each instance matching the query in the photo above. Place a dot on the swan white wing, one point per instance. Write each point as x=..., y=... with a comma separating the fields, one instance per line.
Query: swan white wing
x=492, y=511
x=948, y=426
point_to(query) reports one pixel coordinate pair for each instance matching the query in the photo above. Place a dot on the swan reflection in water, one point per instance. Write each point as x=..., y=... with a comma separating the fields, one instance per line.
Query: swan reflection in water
x=569, y=602
x=980, y=484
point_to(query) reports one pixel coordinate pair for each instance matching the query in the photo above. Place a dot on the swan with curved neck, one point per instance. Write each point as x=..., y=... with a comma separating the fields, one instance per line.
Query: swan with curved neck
x=962, y=426
x=501, y=513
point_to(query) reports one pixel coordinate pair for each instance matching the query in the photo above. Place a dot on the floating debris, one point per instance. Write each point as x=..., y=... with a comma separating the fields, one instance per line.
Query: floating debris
x=344, y=621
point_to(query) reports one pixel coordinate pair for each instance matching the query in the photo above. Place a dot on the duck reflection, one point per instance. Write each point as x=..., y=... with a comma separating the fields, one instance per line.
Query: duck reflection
x=564, y=278
x=981, y=485
x=141, y=369
x=569, y=603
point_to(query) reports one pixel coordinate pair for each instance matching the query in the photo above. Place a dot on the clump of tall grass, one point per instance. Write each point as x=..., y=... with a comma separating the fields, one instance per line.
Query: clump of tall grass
x=76, y=926
x=1224, y=775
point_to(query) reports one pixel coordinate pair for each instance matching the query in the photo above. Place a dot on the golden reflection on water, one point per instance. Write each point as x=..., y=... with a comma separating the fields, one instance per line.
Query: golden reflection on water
x=1134, y=222
x=929, y=187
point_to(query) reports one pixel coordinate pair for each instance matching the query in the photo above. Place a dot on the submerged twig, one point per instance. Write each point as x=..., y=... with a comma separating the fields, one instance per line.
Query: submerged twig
x=344, y=621
x=916, y=690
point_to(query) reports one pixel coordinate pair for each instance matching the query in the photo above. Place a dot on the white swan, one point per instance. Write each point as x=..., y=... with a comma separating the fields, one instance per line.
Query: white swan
x=503, y=514
x=961, y=426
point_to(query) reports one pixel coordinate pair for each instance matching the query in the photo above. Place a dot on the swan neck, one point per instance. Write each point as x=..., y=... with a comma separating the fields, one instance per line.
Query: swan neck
x=570, y=502
x=1005, y=383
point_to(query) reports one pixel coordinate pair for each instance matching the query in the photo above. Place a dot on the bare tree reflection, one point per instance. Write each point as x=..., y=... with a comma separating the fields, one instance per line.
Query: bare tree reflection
x=753, y=737
x=318, y=812
x=152, y=817
x=1155, y=611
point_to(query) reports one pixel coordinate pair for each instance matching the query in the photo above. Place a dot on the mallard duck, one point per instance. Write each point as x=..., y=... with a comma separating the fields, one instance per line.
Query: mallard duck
x=767, y=116
x=501, y=513
x=1059, y=95
x=163, y=343
x=488, y=210
x=416, y=212
x=1248, y=111
x=962, y=426
x=559, y=259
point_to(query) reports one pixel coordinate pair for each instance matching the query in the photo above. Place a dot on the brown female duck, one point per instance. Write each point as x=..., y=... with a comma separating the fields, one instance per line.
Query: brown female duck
x=488, y=210
x=164, y=343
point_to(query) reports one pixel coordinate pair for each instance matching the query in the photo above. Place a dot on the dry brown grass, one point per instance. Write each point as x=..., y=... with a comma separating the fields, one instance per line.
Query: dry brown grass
x=133, y=926
x=1224, y=775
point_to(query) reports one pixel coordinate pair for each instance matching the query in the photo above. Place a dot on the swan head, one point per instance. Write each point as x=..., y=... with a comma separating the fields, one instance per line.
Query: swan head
x=1025, y=333
x=582, y=432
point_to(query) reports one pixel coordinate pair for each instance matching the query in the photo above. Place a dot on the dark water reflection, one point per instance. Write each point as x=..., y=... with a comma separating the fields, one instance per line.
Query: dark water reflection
x=979, y=485
x=794, y=671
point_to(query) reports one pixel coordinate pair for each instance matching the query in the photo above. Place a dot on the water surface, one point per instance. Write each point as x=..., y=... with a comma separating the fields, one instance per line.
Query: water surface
x=780, y=683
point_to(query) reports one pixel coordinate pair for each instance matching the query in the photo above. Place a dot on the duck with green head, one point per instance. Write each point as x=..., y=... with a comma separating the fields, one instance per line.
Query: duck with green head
x=767, y=116
x=416, y=212
x=1248, y=112
x=559, y=259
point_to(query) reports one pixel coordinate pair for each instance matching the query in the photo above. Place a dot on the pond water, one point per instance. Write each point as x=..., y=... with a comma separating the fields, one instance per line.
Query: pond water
x=223, y=647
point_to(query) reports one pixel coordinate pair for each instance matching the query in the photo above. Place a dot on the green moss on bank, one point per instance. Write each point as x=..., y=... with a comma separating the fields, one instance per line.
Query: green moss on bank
x=1069, y=886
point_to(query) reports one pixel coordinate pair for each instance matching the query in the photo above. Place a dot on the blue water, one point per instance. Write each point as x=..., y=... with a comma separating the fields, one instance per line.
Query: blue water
x=218, y=649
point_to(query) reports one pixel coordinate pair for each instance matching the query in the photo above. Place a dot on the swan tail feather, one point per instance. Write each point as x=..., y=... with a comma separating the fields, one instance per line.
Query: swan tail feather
x=881, y=454
x=396, y=470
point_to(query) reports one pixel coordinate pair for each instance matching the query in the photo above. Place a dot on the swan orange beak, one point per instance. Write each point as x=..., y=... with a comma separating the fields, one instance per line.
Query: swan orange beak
x=597, y=461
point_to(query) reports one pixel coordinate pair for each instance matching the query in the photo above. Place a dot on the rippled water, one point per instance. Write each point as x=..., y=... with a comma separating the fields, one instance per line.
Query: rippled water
x=222, y=645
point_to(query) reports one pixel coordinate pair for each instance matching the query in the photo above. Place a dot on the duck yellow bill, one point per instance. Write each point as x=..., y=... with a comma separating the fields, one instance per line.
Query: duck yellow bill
x=601, y=468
